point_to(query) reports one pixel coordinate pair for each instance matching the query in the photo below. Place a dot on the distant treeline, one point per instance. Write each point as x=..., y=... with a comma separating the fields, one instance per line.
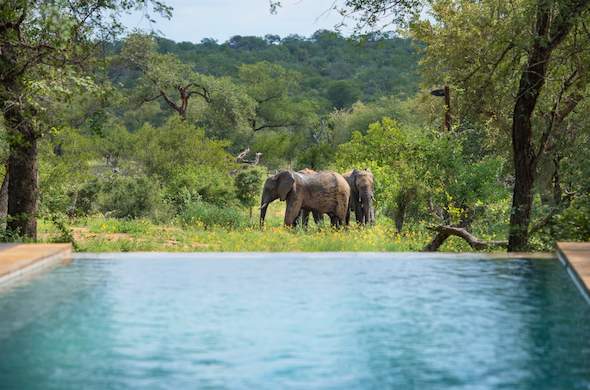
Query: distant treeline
x=338, y=69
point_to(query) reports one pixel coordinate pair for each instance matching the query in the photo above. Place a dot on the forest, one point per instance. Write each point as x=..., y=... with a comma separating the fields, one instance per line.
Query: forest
x=121, y=141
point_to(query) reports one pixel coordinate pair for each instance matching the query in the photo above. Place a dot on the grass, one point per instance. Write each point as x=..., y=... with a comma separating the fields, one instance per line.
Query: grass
x=100, y=234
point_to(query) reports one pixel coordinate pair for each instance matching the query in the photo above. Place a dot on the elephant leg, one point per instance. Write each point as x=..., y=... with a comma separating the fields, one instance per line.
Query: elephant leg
x=333, y=220
x=292, y=211
x=317, y=217
x=358, y=211
x=336, y=221
x=304, y=217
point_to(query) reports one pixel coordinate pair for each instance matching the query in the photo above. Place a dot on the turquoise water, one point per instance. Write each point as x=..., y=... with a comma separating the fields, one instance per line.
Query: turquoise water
x=296, y=321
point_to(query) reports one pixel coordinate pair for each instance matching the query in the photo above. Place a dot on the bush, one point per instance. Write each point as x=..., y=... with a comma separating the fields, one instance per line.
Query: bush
x=208, y=215
x=130, y=197
x=192, y=183
x=87, y=197
x=248, y=183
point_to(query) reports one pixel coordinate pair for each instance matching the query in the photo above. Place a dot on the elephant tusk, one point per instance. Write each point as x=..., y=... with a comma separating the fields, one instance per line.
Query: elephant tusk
x=263, y=206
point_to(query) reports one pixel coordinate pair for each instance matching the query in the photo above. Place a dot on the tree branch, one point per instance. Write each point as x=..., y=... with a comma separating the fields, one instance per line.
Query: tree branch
x=169, y=101
x=557, y=115
x=271, y=126
x=267, y=99
x=445, y=231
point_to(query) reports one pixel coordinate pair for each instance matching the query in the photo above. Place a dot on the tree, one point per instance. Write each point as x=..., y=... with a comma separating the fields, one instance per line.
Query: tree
x=531, y=41
x=521, y=70
x=552, y=24
x=273, y=88
x=36, y=38
x=343, y=94
x=166, y=78
x=420, y=165
x=248, y=182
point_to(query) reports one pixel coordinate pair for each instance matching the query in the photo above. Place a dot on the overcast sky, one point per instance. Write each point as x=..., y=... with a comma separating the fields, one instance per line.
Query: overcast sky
x=194, y=20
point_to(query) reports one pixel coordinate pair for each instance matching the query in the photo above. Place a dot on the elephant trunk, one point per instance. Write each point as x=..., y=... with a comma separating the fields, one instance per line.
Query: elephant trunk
x=367, y=207
x=263, y=208
x=264, y=202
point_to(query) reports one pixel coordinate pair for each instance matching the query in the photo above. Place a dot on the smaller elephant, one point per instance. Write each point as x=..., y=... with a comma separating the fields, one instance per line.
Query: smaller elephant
x=324, y=192
x=362, y=188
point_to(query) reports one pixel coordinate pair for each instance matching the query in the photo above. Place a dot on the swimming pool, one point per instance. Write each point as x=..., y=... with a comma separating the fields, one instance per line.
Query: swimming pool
x=301, y=321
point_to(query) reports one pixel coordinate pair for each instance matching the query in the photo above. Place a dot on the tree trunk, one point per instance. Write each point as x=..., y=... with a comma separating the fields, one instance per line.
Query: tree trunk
x=4, y=199
x=550, y=31
x=531, y=83
x=22, y=169
x=556, y=181
x=23, y=189
x=400, y=215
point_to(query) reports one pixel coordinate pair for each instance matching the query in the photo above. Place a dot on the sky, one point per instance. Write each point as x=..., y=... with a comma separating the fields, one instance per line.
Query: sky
x=193, y=20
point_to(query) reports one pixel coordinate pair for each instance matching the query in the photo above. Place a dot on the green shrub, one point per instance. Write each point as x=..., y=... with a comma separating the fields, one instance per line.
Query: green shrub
x=248, y=183
x=87, y=197
x=208, y=215
x=130, y=197
x=193, y=183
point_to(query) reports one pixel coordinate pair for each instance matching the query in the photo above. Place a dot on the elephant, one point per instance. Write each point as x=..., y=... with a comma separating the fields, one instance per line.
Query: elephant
x=325, y=192
x=362, y=186
x=304, y=215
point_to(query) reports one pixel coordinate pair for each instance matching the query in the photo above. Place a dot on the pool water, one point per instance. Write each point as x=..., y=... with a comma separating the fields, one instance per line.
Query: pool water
x=296, y=321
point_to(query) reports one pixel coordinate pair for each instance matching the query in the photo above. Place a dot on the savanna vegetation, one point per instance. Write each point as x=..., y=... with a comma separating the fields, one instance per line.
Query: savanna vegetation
x=128, y=141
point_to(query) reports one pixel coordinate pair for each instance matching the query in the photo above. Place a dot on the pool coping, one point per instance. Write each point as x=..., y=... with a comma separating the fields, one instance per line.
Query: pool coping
x=204, y=254
x=575, y=257
x=19, y=260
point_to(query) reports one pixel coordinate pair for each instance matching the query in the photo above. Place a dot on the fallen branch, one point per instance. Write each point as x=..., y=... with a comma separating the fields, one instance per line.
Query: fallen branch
x=445, y=231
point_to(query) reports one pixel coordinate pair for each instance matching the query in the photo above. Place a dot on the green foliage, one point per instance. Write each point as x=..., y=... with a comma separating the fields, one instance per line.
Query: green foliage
x=207, y=215
x=65, y=233
x=431, y=164
x=166, y=78
x=382, y=64
x=317, y=157
x=177, y=145
x=277, y=147
x=65, y=165
x=342, y=94
x=192, y=183
x=129, y=197
x=574, y=222
x=361, y=115
x=248, y=182
x=150, y=134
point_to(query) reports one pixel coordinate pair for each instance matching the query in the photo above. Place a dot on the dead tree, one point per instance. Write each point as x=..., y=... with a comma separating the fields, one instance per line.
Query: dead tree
x=445, y=231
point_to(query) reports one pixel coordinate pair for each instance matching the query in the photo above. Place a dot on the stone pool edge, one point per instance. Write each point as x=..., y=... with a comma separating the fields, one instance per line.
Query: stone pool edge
x=20, y=260
x=575, y=257
x=205, y=254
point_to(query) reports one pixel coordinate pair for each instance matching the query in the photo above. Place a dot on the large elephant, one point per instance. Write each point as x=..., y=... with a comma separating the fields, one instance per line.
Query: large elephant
x=304, y=215
x=324, y=192
x=362, y=186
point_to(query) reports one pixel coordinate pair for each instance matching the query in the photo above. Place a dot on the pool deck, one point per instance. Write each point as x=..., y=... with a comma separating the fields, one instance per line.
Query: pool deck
x=16, y=260
x=575, y=256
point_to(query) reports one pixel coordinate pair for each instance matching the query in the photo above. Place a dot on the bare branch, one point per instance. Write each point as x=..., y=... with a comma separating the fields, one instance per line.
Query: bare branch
x=558, y=115
x=445, y=231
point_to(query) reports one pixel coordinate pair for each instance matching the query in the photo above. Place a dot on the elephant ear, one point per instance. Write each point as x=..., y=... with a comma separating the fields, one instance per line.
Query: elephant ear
x=286, y=184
